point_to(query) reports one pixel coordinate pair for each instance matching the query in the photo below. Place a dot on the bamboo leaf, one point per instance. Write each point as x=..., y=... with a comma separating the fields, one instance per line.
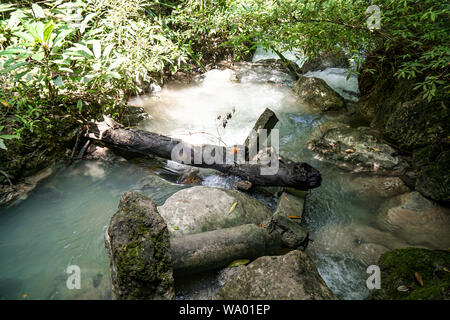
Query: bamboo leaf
x=37, y=11
x=238, y=263
x=97, y=49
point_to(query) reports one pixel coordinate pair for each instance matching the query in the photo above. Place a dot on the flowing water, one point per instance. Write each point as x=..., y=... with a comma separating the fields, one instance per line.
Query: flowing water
x=63, y=220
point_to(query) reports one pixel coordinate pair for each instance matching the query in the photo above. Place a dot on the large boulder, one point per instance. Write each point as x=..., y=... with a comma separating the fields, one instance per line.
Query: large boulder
x=369, y=188
x=318, y=94
x=417, y=220
x=137, y=241
x=293, y=276
x=333, y=59
x=265, y=71
x=417, y=123
x=360, y=242
x=414, y=274
x=433, y=173
x=358, y=150
x=200, y=209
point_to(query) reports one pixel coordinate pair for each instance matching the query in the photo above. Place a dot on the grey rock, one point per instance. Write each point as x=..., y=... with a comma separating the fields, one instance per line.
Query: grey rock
x=264, y=71
x=368, y=188
x=358, y=150
x=318, y=94
x=290, y=205
x=417, y=220
x=327, y=60
x=293, y=276
x=200, y=209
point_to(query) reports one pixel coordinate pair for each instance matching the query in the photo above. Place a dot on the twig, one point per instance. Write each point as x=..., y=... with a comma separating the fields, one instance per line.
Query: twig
x=83, y=150
x=76, y=146
x=7, y=178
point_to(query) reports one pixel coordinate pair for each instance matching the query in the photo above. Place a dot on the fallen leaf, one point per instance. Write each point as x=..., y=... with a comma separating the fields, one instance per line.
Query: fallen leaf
x=418, y=278
x=376, y=149
x=349, y=151
x=294, y=217
x=5, y=103
x=233, y=207
x=238, y=263
x=402, y=288
x=287, y=198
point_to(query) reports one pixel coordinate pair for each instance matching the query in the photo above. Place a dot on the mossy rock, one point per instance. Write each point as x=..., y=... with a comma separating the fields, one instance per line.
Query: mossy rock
x=137, y=241
x=400, y=267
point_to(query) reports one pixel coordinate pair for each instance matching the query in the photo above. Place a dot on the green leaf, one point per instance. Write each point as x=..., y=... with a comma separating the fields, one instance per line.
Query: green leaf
x=78, y=53
x=38, y=56
x=14, y=66
x=84, y=48
x=84, y=23
x=48, y=30
x=13, y=51
x=9, y=136
x=38, y=11
x=238, y=263
x=26, y=36
x=114, y=75
x=2, y=145
x=107, y=50
x=97, y=49
x=79, y=105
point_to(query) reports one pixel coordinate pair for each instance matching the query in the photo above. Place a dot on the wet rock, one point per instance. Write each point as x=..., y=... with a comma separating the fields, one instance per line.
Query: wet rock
x=157, y=188
x=358, y=150
x=401, y=270
x=368, y=188
x=290, y=205
x=200, y=209
x=266, y=121
x=134, y=115
x=102, y=154
x=289, y=277
x=318, y=94
x=417, y=123
x=293, y=235
x=227, y=274
x=335, y=59
x=137, y=241
x=433, y=176
x=362, y=243
x=417, y=220
x=243, y=185
x=369, y=253
x=264, y=71
x=20, y=191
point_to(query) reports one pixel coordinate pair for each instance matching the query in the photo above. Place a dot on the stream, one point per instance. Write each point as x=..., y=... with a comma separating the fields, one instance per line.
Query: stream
x=62, y=222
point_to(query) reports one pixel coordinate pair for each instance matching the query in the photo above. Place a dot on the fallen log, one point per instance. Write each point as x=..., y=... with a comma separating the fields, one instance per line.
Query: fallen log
x=225, y=159
x=211, y=250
